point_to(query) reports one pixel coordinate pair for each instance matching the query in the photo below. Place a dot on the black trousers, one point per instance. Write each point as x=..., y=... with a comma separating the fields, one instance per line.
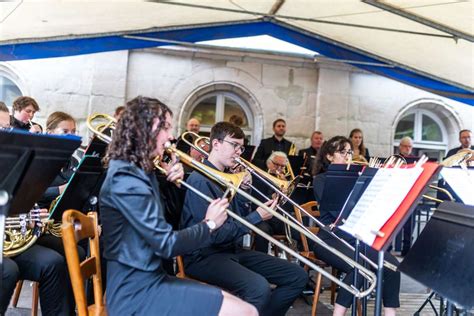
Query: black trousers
x=248, y=274
x=47, y=267
x=10, y=275
x=273, y=226
x=391, y=279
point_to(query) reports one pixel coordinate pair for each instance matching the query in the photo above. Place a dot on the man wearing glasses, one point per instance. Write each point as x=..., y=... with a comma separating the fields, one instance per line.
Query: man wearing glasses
x=224, y=263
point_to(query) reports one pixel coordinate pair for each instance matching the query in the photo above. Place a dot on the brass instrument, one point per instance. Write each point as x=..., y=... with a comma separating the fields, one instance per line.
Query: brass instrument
x=461, y=158
x=231, y=182
x=98, y=123
x=284, y=188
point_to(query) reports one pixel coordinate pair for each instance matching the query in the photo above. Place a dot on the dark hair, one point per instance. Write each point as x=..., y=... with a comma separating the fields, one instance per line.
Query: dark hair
x=57, y=117
x=3, y=107
x=22, y=102
x=236, y=119
x=119, y=109
x=278, y=120
x=222, y=129
x=362, y=146
x=316, y=132
x=133, y=139
x=321, y=163
x=464, y=130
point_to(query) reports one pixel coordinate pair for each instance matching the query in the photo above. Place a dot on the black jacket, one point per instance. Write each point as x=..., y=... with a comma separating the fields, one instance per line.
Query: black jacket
x=266, y=147
x=135, y=232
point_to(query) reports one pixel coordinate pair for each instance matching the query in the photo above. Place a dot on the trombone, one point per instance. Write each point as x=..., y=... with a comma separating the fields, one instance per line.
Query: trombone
x=281, y=186
x=231, y=182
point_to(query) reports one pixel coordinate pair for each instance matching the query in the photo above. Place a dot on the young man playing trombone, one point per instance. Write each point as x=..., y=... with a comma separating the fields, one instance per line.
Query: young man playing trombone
x=245, y=273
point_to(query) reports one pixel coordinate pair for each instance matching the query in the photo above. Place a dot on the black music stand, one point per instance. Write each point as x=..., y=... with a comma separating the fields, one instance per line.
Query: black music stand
x=28, y=164
x=82, y=190
x=96, y=148
x=442, y=256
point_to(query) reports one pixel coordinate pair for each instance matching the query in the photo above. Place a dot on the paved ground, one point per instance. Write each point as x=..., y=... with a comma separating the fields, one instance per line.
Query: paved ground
x=412, y=296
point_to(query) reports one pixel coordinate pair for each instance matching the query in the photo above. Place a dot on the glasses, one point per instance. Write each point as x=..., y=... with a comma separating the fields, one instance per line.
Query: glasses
x=345, y=153
x=236, y=146
x=278, y=165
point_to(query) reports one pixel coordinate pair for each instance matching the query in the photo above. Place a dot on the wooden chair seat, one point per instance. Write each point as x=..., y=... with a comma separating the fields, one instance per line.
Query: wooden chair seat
x=34, y=296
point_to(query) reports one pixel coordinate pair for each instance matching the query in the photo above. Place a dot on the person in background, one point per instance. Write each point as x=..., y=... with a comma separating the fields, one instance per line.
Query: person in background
x=309, y=154
x=361, y=153
x=118, y=112
x=275, y=143
x=405, y=147
x=24, y=109
x=465, y=137
x=193, y=125
x=338, y=150
x=4, y=116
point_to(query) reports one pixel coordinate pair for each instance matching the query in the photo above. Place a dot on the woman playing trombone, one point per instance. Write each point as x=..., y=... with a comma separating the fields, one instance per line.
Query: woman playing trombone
x=136, y=235
x=338, y=150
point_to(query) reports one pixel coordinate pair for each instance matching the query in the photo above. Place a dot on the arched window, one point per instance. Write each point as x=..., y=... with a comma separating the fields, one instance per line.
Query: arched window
x=9, y=91
x=222, y=106
x=427, y=131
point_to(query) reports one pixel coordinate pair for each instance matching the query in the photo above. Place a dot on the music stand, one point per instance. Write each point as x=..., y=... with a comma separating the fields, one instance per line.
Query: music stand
x=248, y=152
x=442, y=256
x=96, y=148
x=82, y=189
x=28, y=164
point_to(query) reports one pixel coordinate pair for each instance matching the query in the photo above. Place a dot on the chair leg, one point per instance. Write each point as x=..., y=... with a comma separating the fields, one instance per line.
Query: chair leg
x=359, y=307
x=333, y=287
x=16, y=294
x=34, y=299
x=317, y=290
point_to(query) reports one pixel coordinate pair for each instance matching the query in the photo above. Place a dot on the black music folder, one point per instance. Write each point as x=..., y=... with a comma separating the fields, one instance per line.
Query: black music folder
x=83, y=188
x=443, y=255
x=96, y=147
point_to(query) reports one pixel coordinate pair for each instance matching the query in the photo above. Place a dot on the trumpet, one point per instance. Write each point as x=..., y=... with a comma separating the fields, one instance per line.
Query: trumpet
x=232, y=182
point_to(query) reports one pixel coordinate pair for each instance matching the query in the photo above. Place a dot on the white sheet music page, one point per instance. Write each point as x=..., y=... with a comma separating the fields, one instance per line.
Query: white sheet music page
x=380, y=200
x=462, y=183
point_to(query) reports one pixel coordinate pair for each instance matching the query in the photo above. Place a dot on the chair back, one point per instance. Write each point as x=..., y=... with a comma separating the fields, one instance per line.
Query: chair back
x=76, y=227
x=309, y=207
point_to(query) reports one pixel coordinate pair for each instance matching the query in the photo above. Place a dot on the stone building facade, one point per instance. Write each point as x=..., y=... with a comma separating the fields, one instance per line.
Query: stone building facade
x=310, y=95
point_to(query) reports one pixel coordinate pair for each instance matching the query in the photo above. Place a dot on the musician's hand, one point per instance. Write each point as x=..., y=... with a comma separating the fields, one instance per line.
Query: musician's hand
x=42, y=214
x=265, y=215
x=35, y=129
x=216, y=211
x=246, y=182
x=175, y=173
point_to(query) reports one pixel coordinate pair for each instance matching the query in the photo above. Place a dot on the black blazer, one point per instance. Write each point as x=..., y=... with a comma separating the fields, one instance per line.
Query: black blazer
x=135, y=232
x=266, y=147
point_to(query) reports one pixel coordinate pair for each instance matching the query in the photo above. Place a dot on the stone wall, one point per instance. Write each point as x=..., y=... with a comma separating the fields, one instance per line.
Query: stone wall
x=332, y=98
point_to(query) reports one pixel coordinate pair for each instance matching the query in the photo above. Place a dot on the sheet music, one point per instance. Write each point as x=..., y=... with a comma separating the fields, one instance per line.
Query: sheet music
x=461, y=181
x=380, y=200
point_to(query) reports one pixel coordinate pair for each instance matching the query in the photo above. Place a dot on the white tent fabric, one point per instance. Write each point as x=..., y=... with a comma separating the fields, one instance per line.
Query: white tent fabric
x=437, y=52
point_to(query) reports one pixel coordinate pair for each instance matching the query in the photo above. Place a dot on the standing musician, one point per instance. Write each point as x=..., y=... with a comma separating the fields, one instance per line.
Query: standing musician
x=338, y=150
x=465, y=137
x=309, y=154
x=245, y=273
x=24, y=109
x=135, y=233
x=275, y=143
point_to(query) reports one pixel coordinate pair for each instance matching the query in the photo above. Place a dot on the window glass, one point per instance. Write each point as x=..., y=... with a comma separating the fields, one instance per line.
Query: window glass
x=8, y=90
x=205, y=111
x=430, y=130
x=406, y=127
x=234, y=113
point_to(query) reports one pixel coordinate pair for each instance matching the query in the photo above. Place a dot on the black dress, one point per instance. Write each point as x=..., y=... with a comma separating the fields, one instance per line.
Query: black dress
x=136, y=239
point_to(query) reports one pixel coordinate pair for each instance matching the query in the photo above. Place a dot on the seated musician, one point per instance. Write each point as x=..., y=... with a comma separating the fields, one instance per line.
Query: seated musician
x=276, y=165
x=338, y=150
x=245, y=273
x=4, y=117
x=45, y=266
x=24, y=109
x=135, y=233
x=361, y=153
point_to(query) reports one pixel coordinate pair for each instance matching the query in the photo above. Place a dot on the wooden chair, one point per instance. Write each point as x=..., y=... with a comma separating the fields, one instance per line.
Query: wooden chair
x=181, y=274
x=77, y=226
x=34, y=296
x=310, y=207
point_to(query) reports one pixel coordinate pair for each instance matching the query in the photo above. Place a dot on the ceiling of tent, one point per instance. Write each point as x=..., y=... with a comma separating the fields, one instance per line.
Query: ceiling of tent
x=430, y=38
